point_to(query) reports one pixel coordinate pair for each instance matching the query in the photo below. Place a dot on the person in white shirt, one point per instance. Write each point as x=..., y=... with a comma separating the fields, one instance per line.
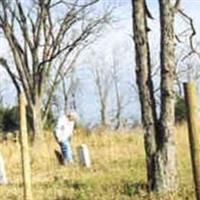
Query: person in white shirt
x=63, y=133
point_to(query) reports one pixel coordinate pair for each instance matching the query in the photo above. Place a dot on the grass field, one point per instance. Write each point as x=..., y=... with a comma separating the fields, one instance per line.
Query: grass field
x=117, y=172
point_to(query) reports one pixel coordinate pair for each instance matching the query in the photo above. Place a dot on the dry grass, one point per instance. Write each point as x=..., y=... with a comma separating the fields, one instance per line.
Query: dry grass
x=117, y=173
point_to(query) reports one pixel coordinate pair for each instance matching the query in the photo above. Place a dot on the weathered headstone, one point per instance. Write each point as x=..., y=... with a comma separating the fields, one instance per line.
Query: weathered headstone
x=84, y=155
x=3, y=178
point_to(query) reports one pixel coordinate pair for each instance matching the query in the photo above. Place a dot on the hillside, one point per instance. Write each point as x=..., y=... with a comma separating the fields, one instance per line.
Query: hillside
x=117, y=172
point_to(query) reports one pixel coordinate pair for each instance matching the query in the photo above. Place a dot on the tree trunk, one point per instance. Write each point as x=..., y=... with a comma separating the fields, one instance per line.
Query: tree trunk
x=103, y=118
x=145, y=86
x=119, y=106
x=165, y=158
x=37, y=121
x=103, y=113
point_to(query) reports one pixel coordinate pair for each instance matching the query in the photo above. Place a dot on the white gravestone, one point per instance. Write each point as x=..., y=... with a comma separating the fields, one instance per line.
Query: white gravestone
x=3, y=179
x=84, y=155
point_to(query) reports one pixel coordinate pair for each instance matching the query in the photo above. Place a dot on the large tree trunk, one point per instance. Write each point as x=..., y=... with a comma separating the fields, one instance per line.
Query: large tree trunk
x=165, y=158
x=159, y=141
x=145, y=86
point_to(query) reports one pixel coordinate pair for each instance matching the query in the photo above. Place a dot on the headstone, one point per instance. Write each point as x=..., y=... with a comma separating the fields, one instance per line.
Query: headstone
x=3, y=178
x=84, y=155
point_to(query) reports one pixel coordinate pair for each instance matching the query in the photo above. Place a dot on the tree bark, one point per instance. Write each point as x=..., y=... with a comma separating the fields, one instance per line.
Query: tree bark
x=103, y=113
x=158, y=138
x=37, y=121
x=165, y=157
x=145, y=86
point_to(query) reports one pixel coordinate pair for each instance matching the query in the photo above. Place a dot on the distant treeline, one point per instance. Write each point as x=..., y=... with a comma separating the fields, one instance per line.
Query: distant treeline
x=9, y=118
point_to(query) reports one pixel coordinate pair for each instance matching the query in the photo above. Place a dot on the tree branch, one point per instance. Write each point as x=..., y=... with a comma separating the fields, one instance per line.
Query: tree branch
x=13, y=77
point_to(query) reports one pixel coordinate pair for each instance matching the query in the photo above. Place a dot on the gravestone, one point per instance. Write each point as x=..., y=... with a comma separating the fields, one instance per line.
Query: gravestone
x=84, y=155
x=3, y=178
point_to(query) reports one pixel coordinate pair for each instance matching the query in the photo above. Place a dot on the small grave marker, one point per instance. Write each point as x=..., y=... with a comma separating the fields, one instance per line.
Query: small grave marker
x=84, y=155
x=3, y=178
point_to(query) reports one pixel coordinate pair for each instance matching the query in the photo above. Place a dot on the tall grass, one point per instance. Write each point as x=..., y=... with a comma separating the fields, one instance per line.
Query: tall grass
x=117, y=172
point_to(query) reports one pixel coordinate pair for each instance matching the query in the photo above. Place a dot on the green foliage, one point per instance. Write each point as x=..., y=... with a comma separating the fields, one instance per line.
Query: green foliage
x=180, y=109
x=9, y=120
x=131, y=189
x=83, y=188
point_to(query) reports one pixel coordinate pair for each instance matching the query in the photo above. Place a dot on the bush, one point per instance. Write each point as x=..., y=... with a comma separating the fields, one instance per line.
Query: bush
x=180, y=109
x=10, y=121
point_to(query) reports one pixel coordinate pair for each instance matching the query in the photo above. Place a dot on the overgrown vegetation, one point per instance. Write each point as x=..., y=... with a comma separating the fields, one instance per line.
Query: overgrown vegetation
x=117, y=173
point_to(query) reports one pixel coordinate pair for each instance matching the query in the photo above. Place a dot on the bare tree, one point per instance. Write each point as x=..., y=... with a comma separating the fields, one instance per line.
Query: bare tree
x=43, y=36
x=159, y=132
x=121, y=98
x=109, y=74
x=145, y=86
x=165, y=155
x=102, y=84
x=69, y=87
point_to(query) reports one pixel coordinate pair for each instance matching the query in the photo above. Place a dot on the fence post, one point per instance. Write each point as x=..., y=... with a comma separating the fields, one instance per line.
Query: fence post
x=26, y=169
x=194, y=136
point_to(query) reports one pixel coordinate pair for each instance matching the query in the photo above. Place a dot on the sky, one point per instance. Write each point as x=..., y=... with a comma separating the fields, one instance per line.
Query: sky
x=118, y=36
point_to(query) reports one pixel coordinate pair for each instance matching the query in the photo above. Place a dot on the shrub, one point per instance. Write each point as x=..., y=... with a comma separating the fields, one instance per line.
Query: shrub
x=10, y=121
x=180, y=109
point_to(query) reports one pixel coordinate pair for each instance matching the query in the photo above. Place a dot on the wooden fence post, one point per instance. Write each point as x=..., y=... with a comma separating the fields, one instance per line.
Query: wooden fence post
x=26, y=169
x=194, y=136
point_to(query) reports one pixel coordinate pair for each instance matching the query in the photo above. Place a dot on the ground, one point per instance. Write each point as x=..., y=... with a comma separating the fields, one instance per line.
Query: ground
x=117, y=172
